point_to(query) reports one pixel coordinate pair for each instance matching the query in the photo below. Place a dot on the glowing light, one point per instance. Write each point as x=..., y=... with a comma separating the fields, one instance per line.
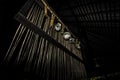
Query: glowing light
x=66, y=35
x=72, y=40
x=58, y=26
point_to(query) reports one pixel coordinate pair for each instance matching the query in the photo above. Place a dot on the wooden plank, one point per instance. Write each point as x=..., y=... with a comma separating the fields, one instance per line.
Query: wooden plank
x=22, y=19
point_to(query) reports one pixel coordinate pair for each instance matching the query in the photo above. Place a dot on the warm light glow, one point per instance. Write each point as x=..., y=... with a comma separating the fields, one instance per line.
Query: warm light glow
x=66, y=35
x=58, y=26
x=72, y=40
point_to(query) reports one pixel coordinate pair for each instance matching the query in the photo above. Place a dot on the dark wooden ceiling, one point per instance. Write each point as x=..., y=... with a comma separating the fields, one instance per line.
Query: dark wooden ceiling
x=94, y=22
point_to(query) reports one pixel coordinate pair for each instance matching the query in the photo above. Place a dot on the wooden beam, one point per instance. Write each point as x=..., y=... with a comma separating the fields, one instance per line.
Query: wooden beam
x=22, y=19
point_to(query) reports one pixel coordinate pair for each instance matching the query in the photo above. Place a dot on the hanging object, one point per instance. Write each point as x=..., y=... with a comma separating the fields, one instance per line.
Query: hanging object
x=45, y=10
x=72, y=40
x=58, y=26
x=52, y=20
x=66, y=35
x=62, y=30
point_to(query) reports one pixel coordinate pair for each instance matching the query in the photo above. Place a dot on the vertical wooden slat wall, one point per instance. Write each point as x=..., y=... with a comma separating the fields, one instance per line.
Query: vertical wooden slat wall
x=39, y=56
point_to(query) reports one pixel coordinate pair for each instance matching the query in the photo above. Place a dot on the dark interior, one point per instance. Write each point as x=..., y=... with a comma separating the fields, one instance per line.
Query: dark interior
x=94, y=22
